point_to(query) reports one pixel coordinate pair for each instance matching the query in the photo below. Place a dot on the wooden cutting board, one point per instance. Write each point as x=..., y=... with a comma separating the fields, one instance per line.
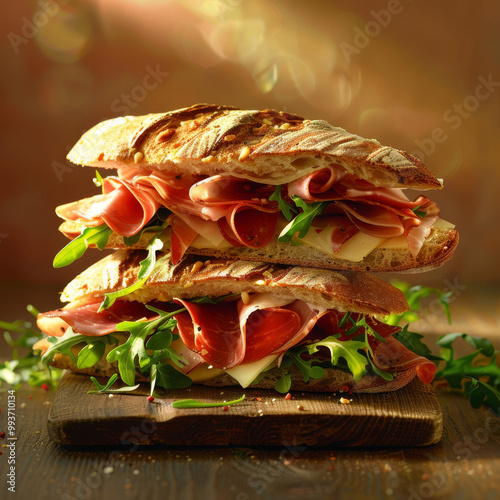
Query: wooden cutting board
x=410, y=416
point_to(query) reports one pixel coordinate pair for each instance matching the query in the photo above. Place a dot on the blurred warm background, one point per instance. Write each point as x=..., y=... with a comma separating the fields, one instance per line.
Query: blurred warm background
x=421, y=76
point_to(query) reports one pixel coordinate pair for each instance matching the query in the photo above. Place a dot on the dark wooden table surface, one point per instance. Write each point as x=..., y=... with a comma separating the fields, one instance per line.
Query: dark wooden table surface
x=464, y=465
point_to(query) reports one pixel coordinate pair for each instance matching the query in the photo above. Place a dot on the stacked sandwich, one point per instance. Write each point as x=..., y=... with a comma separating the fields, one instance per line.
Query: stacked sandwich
x=244, y=243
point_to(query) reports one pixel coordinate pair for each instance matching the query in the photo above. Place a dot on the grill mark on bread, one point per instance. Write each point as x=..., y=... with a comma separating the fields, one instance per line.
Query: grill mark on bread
x=273, y=152
x=342, y=290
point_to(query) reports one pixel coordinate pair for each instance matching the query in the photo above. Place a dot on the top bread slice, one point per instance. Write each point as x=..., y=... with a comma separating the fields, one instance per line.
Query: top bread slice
x=269, y=146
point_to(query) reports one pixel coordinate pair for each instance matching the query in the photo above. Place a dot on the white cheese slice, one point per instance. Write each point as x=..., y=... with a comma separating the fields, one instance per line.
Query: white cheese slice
x=201, y=242
x=208, y=229
x=204, y=372
x=395, y=243
x=247, y=373
x=443, y=224
x=354, y=249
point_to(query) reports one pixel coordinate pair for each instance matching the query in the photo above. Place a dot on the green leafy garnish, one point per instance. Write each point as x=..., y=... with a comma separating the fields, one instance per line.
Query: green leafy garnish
x=302, y=222
x=285, y=382
x=98, y=236
x=106, y=389
x=347, y=349
x=419, y=213
x=193, y=403
x=25, y=365
x=132, y=354
x=145, y=270
x=414, y=294
x=97, y=180
x=478, y=378
x=287, y=209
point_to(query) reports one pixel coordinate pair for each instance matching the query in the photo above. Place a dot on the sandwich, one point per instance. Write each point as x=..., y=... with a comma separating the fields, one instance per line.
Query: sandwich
x=225, y=323
x=260, y=186
x=242, y=242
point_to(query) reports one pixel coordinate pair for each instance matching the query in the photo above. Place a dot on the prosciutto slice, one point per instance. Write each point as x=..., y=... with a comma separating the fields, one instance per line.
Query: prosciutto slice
x=232, y=333
x=318, y=185
x=126, y=209
x=373, y=220
x=226, y=189
x=250, y=226
x=229, y=334
x=182, y=236
x=392, y=356
x=417, y=234
x=86, y=320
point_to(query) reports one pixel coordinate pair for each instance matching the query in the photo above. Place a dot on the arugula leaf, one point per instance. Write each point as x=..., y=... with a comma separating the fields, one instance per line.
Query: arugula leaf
x=413, y=296
x=302, y=222
x=134, y=349
x=483, y=393
x=287, y=209
x=419, y=213
x=305, y=367
x=97, y=180
x=193, y=403
x=76, y=248
x=347, y=349
x=483, y=345
x=284, y=383
x=145, y=270
x=25, y=365
x=91, y=354
x=106, y=389
x=170, y=378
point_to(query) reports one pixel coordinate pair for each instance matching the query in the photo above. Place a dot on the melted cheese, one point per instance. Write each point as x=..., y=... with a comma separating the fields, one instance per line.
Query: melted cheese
x=204, y=372
x=201, y=242
x=354, y=249
x=247, y=373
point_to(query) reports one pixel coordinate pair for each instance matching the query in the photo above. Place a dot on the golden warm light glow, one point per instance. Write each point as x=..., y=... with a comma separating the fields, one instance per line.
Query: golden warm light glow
x=399, y=72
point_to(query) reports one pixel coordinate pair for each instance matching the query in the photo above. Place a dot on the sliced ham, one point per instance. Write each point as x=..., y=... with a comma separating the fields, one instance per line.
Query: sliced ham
x=392, y=356
x=213, y=331
x=417, y=234
x=232, y=333
x=182, y=236
x=229, y=334
x=226, y=189
x=318, y=185
x=247, y=225
x=124, y=208
x=253, y=227
x=86, y=320
x=373, y=220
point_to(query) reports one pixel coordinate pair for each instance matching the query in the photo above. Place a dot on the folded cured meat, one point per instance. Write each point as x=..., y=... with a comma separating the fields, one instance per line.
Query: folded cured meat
x=227, y=323
x=263, y=186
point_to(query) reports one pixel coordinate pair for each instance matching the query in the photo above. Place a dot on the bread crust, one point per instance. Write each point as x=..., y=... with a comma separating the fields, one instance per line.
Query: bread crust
x=437, y=249
x=268, y=145
x=342, y=290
